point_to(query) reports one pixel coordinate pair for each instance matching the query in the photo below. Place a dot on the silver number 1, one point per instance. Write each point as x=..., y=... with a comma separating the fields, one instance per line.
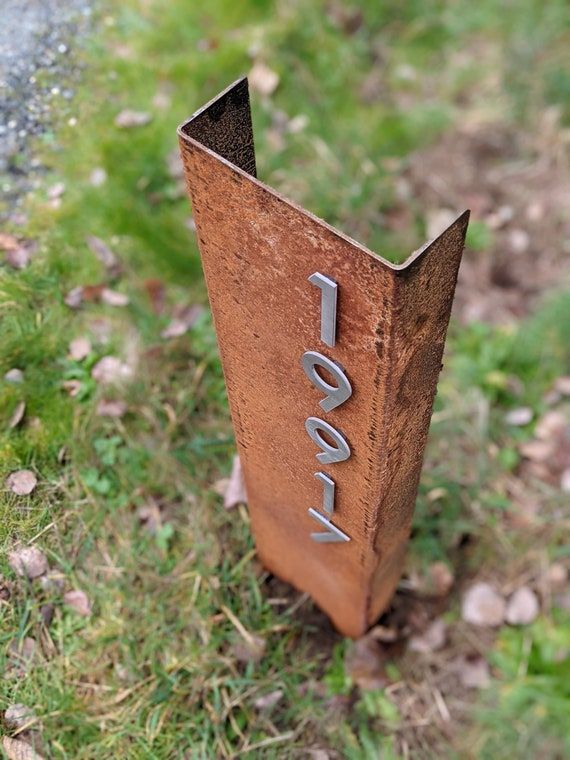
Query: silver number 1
x=334, y=395
x=329, y=290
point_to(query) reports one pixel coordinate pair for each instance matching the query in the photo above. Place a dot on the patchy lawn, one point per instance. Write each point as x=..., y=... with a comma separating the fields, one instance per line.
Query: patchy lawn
x=136, y=621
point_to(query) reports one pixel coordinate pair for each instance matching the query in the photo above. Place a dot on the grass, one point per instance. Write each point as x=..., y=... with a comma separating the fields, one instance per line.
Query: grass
x=158, y=670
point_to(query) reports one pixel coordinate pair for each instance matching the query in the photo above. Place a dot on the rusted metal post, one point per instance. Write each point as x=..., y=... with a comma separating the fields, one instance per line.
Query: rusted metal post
x=331, y=357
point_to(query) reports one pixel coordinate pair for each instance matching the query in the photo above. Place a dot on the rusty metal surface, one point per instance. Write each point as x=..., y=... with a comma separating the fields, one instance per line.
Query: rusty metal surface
x=258, y=251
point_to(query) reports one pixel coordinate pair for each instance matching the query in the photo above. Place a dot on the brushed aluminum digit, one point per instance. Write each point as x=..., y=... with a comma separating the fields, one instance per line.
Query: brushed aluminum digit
x=329, y=290
x=328, y=491
x=329, y=454
x=332, y=534
x=334, y=395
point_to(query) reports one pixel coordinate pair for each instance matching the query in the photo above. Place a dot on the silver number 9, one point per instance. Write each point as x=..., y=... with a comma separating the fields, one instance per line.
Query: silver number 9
x=334, y=395
x=329, y=454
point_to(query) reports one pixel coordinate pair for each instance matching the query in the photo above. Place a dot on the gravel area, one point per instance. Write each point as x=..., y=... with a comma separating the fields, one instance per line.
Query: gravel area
x=37, y=39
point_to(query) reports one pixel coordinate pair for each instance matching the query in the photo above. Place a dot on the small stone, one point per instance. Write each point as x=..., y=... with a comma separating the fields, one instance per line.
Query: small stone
x=519, y=240
x=18, y=749
x=114, y=298
x=14, y=375
x=522, y=607
x=482, y=605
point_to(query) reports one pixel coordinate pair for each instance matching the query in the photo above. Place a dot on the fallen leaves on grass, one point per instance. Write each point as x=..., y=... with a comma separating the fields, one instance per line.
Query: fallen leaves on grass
x=79, y=349
x=78, y=602
x=262, y=79
x=18, y=749
x=482, y=605
x=16, y=252
x=111, y=408
x=21, y=482
x=95, y=294
x=364, y=663
x=17, y=415
x=28, y=562
x=522, y=607
x=433, y=638
x=128, y=119
x=110, y=370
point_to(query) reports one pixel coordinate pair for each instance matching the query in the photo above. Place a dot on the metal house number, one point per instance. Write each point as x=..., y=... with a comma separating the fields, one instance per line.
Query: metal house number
x=334, y=396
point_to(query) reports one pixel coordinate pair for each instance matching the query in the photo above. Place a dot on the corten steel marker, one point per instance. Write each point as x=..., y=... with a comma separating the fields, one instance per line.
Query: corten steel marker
x=331, y=357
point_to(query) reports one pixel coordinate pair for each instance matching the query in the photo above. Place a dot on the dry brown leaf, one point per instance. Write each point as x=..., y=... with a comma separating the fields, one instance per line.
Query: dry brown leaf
x=14, y=375
x=104, y=254
x=519, y=417
x=18, y=715
x=17, y=749
x=8, y=242
x=156, y=293
x=128, y=119
x=473, y=672
x=431, y=640
x=269, y=700
x=364, y=663
x=110, y=370
x=74, y=298
x=21, y=482
x=73, y=387
x=522, y=607
x=114, y=298
x=19, y=258
x=557, y=576
x=21, y=653
x=78, y=601
x=183, y=321
x=235, y=489
x=17, y=415
x=482, y=605
x=28, y=562
x=111, y=408
x=262, y=79
x=79, y=349
x=441, y=578
x=248, y=650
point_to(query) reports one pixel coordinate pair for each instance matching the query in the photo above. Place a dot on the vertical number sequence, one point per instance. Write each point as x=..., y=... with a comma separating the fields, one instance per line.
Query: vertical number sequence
x=334, y=396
